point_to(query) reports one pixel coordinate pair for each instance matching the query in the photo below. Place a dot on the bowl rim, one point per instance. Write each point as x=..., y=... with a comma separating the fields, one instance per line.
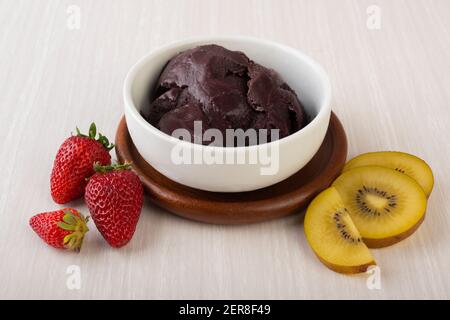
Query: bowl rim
x=324, y=109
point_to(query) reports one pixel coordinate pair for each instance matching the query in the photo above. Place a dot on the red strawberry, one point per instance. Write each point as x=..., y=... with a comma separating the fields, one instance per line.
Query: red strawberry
x=62, y=229
x=114, y=196
x=74, y=163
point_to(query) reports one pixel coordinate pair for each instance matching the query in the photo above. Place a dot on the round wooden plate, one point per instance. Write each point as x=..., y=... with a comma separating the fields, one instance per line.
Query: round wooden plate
x=283, y=198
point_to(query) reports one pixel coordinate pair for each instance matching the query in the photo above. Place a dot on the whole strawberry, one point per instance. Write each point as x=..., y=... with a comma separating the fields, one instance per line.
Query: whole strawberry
x=74, y=164
x=62, y=229
x=114, y=196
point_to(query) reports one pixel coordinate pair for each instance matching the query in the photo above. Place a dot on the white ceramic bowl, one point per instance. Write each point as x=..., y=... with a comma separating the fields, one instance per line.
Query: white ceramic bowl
x=287, y=155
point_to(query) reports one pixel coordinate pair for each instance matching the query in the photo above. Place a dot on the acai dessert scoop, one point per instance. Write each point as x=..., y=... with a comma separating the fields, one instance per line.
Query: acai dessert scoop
x=224, y=90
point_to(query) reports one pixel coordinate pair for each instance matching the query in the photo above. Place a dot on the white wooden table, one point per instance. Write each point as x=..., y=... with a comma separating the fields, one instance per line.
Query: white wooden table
x=391, y=89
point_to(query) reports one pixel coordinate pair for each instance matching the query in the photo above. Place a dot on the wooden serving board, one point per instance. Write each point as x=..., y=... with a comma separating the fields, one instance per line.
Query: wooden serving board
x=286, y=197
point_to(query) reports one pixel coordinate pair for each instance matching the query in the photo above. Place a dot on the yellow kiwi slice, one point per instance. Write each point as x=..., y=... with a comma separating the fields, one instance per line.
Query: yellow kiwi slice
x=385, y=205
x=333, y=236
x=402, y=162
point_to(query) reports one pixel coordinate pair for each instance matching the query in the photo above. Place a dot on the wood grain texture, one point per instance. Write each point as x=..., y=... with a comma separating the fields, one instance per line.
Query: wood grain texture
x=391, y=90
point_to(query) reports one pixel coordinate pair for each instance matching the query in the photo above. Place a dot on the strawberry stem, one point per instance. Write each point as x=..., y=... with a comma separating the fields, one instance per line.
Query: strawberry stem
x=113, y=167
x=93, y=135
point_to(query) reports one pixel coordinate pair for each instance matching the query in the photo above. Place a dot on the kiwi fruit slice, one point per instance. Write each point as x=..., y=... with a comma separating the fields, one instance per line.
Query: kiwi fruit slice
x=402, y=162
x=333, y=236
x=385, y=205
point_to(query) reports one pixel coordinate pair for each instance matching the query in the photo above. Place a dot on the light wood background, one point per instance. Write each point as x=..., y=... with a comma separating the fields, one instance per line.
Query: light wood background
x=391, y=89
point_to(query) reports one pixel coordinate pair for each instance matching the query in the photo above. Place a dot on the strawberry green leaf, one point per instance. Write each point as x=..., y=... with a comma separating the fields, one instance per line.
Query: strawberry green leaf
x=66, y=226
x=93, y=135
x=69, y=219
x=113, y=167
x=92, y=131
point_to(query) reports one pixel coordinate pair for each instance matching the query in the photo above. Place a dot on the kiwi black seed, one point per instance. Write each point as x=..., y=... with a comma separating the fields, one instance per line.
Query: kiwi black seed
x=333, y=236
x=342, y=227
x=400, y=170
x=385, y=205
x=367, y=209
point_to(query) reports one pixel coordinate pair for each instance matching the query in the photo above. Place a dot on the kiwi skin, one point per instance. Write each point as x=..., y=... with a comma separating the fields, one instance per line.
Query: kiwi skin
x=386, y=242
x=347, y=269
